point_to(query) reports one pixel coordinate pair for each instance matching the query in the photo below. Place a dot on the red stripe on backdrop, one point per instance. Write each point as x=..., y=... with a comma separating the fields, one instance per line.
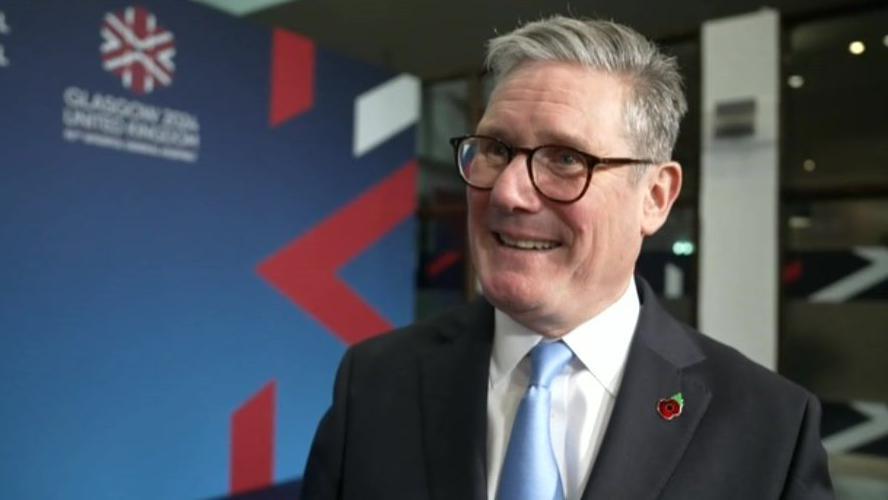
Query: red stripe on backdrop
x=292, y=76
x=442, y=263
x=252, y=442
x=305, y=270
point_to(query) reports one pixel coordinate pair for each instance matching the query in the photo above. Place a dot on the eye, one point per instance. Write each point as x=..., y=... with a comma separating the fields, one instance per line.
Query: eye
x=494, y=149
x=563, y=160
x=567, y=158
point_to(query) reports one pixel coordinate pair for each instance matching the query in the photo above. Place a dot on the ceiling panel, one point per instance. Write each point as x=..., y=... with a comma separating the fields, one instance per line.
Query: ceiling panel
x=436, y=39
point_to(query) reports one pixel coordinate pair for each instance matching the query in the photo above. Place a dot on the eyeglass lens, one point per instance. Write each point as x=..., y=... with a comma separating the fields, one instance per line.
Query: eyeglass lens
x=558, y=172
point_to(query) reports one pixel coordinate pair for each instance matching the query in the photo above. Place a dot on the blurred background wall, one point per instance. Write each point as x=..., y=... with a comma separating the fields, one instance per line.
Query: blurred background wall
x=152, y=305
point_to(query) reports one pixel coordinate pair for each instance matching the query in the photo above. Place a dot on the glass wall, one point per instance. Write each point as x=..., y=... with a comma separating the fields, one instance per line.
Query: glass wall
x=835, y=206
x=444, y=277
x=834, y=201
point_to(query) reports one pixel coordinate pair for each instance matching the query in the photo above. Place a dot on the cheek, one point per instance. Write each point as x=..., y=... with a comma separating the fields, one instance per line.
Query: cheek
x=588, y=230
x=598, y=248
x=476, y=204
x=476, y=226
x=603, y=232
x=477, y=200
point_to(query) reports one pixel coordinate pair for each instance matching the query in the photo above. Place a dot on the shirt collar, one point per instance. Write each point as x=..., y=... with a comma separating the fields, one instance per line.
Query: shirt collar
x=601, y=344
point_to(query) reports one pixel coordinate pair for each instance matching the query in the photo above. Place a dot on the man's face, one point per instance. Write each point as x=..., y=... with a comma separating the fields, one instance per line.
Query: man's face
x=583, y=254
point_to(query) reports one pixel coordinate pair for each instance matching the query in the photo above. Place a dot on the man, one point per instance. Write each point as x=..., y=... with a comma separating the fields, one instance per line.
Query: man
x=567, y=380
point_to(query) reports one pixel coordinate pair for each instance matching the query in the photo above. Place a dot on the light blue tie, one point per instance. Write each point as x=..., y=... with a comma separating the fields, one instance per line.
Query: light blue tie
x=530, y=471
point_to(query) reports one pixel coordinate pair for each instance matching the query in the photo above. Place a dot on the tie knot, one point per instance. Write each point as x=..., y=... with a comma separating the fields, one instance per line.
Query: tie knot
x=548, y=359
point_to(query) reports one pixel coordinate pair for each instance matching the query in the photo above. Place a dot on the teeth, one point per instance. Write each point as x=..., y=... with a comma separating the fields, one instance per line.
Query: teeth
x=527, y=244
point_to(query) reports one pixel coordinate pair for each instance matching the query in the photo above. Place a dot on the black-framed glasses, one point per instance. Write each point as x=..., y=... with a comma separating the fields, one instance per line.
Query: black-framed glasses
x=559, y=173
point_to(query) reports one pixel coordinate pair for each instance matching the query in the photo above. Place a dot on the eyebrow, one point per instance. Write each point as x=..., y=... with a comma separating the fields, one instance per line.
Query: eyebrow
x=501, y=134
x=589, y=145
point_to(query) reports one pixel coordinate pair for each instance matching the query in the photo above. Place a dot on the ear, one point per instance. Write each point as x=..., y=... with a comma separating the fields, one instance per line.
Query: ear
x=661, y=184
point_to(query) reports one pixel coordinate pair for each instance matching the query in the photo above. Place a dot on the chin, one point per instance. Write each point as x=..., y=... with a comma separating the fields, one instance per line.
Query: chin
x=511, y=296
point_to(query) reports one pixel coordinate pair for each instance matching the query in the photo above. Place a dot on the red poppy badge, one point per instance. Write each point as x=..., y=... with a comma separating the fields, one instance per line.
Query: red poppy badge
x=671, y=407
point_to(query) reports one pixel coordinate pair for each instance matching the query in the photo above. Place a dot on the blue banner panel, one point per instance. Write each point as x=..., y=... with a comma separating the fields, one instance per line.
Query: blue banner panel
x=153, y=158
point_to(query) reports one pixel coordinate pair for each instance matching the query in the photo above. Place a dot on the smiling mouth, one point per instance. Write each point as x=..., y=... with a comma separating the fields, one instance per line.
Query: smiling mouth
x=525, y=244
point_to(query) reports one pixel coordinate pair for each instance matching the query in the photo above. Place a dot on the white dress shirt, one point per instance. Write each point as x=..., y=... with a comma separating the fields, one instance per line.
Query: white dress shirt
x=582, y=395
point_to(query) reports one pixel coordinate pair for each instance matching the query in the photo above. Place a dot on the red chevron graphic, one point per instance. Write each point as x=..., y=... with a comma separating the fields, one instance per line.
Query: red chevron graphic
x=292, y=76
x=305, y=270
x=252, y=441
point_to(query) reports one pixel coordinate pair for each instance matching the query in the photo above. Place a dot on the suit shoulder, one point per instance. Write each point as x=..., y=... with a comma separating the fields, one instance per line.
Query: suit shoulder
x=415, y=338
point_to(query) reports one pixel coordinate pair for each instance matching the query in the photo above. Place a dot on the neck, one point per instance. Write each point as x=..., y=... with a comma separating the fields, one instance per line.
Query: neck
x=557, y=324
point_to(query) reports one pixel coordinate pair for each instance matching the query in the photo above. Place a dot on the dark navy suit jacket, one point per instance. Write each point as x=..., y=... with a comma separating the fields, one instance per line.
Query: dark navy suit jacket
x=408, y=419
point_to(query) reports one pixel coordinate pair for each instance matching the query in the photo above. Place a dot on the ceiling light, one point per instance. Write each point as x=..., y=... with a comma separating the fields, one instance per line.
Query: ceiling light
x=799, y=222
x=809, y=165
x=796, y=81
x=885, y=40
x=856, y=47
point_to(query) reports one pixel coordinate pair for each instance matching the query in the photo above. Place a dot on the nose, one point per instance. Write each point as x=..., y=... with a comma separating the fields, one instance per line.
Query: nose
x=513, y=190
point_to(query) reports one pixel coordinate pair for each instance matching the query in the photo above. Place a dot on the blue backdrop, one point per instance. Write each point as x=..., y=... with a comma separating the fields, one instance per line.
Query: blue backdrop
x=133, y=322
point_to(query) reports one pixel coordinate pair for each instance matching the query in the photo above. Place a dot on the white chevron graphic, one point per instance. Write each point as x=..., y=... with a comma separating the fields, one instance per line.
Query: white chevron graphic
x=863, y=433
x=857, y=282
x=383, y=111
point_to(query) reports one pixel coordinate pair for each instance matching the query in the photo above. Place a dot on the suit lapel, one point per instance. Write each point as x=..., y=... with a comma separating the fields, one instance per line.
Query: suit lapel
x=640, y=448
x=454, y=405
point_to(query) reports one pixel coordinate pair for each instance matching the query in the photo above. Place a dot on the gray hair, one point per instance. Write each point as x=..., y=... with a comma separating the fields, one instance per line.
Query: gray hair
x=657, y=101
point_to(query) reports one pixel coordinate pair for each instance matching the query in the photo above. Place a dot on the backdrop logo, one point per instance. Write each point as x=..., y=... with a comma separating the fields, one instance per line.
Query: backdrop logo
x=137, y=49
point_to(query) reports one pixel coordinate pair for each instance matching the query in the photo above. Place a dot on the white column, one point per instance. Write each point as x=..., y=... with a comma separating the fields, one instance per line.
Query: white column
x=739, y=183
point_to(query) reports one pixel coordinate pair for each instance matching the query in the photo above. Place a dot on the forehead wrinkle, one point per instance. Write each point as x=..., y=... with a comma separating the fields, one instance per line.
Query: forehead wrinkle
x=525, y=105
x=540, y=94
